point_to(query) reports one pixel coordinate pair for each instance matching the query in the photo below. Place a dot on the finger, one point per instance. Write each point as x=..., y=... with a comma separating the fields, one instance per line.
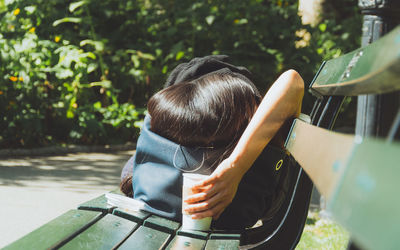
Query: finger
x=206, y=182
x=208, y=213
x=204, y=194
x=202, y=206
x=195, y=198
x=197, y=188
x=195, y=208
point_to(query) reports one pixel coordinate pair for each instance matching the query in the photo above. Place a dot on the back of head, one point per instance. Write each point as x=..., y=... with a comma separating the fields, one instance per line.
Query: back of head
x=210, y=111
x=207, y=103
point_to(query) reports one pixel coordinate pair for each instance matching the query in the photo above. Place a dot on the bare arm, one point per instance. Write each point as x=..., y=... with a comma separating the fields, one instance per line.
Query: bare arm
x=282, y=101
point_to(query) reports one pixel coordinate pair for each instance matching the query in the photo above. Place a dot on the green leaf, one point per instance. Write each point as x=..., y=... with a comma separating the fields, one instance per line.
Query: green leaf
x=322, y=27
x=105, y=84
x=64, y=73
x=136, y=72
x=135, y=60
x=70, y=114
x=242, y=21
x=210, y=19
x=3, y=7
x=75, y=134
x=30, y=9
x=164, y=69
x=67, y=20
x=74, y=6
x=146, y=56
x=179, y=55
x=98, y=45
x=91, y=67
x=138, y=124
x=91, y=55
x=97, y=105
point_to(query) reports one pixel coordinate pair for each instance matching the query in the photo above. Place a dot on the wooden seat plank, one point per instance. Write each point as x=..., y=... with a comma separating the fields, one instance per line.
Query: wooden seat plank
x=96, y=204
x=219, y=244
x=56, y=231
x=373, y=69
x=359, y=188
x=366, y=200
x=225, y=236
x=162, y=224
x=104, y=234
x=133, y=215
x=194, y=234
x=186, y=243
x=146, y=238
x=314, y=147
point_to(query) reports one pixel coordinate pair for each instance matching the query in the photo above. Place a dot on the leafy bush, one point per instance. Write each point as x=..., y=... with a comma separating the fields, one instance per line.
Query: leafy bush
x=339, y=31
x=54, y=89
x=82, y=72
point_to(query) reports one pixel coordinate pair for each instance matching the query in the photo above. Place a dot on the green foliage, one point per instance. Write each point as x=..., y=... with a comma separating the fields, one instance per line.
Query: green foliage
x=54, y=85
x=340, y=29
x=322, y=234
x=82, y=71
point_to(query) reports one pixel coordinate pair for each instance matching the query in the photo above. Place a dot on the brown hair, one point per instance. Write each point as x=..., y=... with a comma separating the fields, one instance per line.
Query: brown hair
x=211, y=111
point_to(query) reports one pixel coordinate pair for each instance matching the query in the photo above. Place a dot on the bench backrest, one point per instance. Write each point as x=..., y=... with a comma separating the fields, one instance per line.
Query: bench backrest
x=363, y=172
x=370, y=70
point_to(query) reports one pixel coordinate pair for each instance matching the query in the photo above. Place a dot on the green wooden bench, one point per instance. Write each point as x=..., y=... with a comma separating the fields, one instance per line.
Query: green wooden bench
x=96, y=225
x=359, y=176
x=360, y=191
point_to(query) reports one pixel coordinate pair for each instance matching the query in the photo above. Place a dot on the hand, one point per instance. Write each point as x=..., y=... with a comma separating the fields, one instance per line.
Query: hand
x=212, y=195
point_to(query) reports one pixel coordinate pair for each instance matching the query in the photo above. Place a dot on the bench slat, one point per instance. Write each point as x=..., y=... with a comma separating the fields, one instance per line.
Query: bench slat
x=225, y=236
x=314, y=147
x=96, y=204
x=366, y=201
x=56, y=231
x=105, y=234
x=162, y=224
x=359, y=188
x=184, y=242
x=136, y=216
x=222, y=244
x=193, y=234
x=373, y=69
x=146, y=238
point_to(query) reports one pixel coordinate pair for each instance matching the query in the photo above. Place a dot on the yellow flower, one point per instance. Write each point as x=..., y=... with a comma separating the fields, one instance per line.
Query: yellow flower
x=13, y=78
x=57, y=39
x=16, y=11
x=46, y=82
x=1, y=92
x=32, y=30
x=20, y=79
x=236, y=21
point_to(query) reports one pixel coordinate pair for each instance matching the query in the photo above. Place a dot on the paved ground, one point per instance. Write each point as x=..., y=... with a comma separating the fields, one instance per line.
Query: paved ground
x=34, y=190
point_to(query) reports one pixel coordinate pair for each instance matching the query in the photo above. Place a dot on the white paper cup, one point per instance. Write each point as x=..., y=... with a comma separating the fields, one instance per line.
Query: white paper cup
x=187, y=222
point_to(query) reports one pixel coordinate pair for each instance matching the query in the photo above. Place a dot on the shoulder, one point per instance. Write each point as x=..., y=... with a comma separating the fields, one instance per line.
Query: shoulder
x=293, y=78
